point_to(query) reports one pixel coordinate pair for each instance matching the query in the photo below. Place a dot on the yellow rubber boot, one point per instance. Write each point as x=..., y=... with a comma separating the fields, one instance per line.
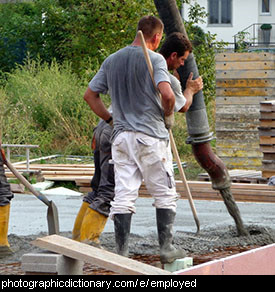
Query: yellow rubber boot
x=78, y=221
x=4, y=224
x=92, y=226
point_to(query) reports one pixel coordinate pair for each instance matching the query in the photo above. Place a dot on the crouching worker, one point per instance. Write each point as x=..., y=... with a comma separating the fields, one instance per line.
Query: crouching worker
x=94, y=211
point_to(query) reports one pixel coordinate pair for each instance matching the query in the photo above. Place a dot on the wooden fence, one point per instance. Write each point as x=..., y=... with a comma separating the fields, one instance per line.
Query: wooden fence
x=243, y=80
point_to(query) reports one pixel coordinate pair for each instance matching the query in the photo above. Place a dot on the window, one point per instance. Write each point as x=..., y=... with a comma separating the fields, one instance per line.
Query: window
x=266, y=6
x=220, y=12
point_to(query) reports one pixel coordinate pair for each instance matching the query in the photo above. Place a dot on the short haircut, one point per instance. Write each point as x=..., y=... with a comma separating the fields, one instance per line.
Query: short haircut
x=175, y=42
x=150, y=25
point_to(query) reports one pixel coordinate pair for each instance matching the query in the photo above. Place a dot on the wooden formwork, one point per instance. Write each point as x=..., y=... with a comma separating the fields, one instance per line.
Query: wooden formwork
x=243, y=81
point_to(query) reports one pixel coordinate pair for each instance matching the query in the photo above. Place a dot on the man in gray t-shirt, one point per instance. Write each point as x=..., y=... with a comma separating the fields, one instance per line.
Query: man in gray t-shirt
x=135, y=103
x=140, y=148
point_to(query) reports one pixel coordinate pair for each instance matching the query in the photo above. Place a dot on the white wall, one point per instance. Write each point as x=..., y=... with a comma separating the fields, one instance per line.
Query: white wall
x=244, y=13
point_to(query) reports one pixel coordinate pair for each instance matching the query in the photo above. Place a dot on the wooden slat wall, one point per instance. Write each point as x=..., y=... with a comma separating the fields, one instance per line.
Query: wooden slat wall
x=243, y=80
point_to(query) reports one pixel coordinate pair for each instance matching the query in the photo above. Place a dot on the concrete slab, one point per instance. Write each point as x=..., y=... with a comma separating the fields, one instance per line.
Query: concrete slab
x=41, y=186
x=179, y=264
x=51, y=263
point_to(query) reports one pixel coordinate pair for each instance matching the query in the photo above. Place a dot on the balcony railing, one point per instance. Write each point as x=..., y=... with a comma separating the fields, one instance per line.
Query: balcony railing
x=257, y=35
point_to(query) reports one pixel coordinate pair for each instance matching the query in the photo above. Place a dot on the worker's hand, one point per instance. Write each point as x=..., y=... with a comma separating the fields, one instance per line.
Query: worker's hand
x=194, y=85
x=169, y=121
x=110, y=122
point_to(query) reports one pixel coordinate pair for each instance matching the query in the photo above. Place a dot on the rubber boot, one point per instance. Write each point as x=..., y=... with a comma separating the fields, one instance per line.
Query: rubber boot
x=92, y=226
x=122, y=223
x=165, y=221
x=78, y=221
x=4, y=223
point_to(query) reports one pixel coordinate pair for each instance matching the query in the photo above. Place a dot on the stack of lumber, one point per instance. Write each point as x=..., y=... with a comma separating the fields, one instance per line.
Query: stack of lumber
x=267, y=137
x=202, y=190
x=243, y=81
x=240, y=176
x=57, y=172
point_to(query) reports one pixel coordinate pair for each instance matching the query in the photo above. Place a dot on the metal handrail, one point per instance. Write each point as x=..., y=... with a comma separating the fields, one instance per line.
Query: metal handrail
x=255, y=37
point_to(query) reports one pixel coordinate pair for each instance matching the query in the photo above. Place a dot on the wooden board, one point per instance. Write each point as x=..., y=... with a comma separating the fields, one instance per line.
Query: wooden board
x=233, y=57
x=244, y=81
x=248, y=65
x=57, y=172
x=202, y=190
x=96, y=256
x=240, y=74
x=245, y=91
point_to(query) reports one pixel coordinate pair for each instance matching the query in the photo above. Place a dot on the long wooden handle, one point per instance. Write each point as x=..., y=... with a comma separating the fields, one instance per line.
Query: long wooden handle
x=172, y=140
x=183, y=178
x=40, y=196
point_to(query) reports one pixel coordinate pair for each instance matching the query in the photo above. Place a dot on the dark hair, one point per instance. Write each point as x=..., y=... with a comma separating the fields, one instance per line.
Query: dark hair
x=175, y=42
x=149, y=25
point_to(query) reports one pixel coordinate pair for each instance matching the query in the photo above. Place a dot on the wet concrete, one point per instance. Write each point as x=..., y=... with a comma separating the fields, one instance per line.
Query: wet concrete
x=218, y=230
x=28, y=215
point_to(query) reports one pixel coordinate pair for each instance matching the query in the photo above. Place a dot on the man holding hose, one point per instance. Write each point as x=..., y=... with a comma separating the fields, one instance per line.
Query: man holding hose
x=140, y=137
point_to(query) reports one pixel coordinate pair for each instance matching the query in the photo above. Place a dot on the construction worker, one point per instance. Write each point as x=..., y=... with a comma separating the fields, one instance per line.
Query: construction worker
x=94, y=211
x=5, y=197
x=165, y=216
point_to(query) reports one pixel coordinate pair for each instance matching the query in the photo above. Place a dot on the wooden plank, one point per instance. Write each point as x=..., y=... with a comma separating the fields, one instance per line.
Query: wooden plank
x=241, y=74
x=63, y=178
x=229, y=109
x=241, y=162
x=268, y=165
x=267, y=115
x=268, y=173
x=249, y=192
x=242, y=137
x=240, y=83
x=245, y=91
x=233, y=57
x=267, y=148
x=269, y=156
x=236, y=66
x=233, y=125
x=96, y=256
x=17, y=188
x=238, y=152
x=241, y=100
x=267, y=123
x=267, y=140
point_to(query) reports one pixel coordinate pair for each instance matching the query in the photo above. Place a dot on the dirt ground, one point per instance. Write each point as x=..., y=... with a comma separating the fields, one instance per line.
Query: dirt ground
x=208, y=245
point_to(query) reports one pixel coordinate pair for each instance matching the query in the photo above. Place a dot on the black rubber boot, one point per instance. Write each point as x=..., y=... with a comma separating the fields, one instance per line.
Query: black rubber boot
x=122, y=224
x=165, y=221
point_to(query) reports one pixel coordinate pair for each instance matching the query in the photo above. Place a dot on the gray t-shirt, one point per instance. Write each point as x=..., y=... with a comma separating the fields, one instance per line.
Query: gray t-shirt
x=135, y=103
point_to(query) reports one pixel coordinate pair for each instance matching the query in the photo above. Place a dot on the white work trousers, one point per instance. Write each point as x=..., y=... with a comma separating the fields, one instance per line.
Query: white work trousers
x=137, y=156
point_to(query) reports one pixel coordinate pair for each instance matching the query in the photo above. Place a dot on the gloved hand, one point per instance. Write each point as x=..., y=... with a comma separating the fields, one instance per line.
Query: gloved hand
x=169, y=121
x=110, y=122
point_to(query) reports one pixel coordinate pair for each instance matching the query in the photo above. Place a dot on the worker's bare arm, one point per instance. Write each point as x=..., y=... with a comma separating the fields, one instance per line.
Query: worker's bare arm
x=95, y=103
x=168, y=98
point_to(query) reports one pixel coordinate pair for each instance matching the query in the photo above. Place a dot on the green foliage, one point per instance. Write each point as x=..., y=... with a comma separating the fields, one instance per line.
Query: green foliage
x=65, y=41
x=83, y=32
x=43, y=104
x=242, y=41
